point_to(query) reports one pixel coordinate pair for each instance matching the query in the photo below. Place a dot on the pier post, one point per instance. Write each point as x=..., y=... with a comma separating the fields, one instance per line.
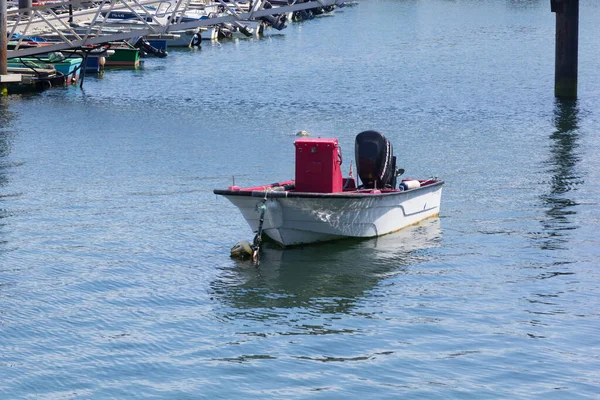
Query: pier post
x=567, y=42
x=3, y=46
x=25, y=4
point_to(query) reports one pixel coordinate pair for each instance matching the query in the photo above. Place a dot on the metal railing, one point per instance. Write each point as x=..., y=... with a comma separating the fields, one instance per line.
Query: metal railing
x=82, y=23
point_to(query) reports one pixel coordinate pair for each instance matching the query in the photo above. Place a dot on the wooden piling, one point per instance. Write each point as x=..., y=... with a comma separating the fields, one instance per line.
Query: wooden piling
x=567, y=42
x=3, y=46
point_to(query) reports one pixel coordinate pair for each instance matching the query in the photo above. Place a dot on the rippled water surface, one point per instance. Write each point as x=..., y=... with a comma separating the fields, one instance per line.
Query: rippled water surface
x=115, y=275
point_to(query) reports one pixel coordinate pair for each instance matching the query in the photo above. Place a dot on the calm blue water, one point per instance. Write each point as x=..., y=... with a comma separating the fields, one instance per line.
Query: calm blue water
x=115, y=275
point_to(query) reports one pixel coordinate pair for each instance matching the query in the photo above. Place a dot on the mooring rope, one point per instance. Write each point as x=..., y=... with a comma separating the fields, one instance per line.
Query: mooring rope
x=258, y=238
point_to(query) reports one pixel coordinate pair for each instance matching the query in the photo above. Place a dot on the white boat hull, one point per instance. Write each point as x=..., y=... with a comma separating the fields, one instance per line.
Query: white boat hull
x=185, y=37
x=295, y=220
x=255, y=26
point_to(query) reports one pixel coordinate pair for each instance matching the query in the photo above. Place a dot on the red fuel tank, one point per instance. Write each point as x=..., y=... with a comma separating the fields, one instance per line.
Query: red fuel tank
x=318, y=164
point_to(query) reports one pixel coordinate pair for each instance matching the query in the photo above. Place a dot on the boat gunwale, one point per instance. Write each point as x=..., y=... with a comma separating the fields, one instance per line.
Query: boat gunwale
x=337, y=195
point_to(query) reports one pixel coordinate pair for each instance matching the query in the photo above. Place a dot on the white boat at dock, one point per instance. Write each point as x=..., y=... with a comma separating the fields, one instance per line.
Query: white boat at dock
x=187, y=38
x=161, y=13
x=319, y=205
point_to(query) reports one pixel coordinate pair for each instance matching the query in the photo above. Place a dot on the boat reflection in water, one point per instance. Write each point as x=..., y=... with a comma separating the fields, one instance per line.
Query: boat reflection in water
x=329, y=277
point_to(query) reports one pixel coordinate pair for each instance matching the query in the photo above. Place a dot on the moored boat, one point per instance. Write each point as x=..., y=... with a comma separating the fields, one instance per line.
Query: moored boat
x=33, y=79
x=123, y=56
x=320, y=205
x=69, y=68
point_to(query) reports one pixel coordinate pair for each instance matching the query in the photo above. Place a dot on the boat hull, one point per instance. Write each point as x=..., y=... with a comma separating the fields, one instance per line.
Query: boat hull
x=295, y=218
x=123, y=57
x=184, y=38
x=69, y=68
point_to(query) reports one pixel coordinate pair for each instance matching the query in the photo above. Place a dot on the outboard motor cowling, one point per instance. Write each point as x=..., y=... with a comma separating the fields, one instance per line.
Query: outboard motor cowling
x=146, y=47
x=276, y=21
x=375, y=161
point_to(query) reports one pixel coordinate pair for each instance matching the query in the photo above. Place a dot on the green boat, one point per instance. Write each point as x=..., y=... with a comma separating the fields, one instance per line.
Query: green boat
x=123, y=57
x=69, y=68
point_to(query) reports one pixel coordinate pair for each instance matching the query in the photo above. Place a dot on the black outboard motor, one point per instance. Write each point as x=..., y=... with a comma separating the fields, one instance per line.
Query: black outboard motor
x=238, y=27
x=278, y=22
x=275, y=21
x=145, y=46
x=375, y=161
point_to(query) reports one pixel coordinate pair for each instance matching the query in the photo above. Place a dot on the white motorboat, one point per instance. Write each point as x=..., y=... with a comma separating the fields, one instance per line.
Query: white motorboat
x=321, y=205
x=164, y=11
x=191, y=37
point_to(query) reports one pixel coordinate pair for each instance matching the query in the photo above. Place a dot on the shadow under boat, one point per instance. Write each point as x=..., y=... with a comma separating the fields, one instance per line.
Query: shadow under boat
x=329, y=277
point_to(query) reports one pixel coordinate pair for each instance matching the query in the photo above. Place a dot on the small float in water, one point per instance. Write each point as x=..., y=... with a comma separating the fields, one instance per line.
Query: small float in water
x=320, y=205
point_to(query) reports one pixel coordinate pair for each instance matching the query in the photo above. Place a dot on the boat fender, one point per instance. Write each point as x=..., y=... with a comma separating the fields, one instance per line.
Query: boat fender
x=242, y=250
x=410, y=184
x=196, y=40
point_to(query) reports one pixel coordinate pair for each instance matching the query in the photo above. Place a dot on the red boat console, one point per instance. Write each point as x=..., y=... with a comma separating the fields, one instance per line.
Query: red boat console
x=318, y=163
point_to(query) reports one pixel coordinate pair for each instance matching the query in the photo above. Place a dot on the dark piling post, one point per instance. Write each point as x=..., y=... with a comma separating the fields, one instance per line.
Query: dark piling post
x=567, y=42
x=3, y=46
x=25, y=4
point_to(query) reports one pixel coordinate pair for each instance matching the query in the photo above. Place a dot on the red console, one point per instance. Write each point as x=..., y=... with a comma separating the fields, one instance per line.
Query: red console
x=318, y=164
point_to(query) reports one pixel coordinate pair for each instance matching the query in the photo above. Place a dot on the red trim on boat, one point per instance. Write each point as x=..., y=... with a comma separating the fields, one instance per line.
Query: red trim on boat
x=262, y=191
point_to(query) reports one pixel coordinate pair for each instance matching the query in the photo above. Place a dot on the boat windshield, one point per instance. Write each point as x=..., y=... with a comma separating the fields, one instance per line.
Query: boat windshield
x=163, y=9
